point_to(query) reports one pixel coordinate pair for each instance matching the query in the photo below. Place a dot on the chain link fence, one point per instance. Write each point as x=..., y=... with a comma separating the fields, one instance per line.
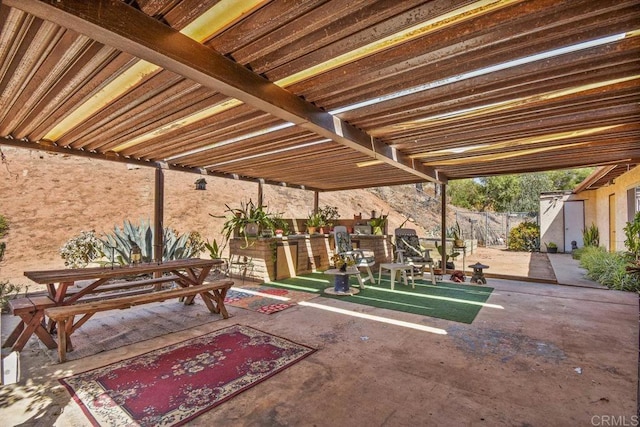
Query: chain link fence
x=491, y=228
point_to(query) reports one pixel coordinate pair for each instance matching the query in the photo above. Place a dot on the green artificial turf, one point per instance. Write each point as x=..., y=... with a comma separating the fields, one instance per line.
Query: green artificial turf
x=459, y=303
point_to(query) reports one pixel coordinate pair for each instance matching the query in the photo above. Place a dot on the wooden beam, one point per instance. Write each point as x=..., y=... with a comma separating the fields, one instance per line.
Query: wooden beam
x=114, y=157
x=116, y=24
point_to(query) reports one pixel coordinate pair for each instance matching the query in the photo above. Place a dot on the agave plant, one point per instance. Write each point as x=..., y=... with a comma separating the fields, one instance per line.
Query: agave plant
x=118, y=244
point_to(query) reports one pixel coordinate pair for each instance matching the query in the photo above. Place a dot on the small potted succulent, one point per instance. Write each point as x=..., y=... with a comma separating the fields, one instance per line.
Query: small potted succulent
x=315, y=222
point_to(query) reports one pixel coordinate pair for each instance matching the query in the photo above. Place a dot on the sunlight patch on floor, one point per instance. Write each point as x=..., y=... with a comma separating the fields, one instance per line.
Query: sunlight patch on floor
x=375, y=318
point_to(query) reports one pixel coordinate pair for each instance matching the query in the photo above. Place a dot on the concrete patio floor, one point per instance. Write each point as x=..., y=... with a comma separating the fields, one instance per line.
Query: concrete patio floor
x=538, y=354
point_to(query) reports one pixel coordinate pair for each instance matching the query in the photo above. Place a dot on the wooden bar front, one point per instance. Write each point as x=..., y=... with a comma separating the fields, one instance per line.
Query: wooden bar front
x=280, y=257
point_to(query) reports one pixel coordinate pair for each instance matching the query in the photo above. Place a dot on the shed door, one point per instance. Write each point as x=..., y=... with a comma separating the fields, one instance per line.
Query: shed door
x=573, y=223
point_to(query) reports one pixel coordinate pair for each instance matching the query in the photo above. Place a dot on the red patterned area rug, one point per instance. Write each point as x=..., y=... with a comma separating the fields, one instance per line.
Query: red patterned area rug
x=175, y=384
x=264, y=299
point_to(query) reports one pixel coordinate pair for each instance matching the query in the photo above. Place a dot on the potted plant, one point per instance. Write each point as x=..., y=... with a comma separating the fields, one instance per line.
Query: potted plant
x=377, y=224
x=329, y=215
x=443, y=255
x=552, y=248
x=458, y=237
x=280, y=225
x=247, y=220
x=314, y=222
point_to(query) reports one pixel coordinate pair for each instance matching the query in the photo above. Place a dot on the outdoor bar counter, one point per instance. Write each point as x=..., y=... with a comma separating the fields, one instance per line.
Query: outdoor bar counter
x=274, y=258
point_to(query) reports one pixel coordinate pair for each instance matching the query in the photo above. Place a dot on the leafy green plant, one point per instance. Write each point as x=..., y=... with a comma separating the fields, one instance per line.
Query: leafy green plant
x=524, y=237
x=609, y=269
x=215, y=250
x=118, y=244
x=239, y=218
x=551, y=245
x=329, y=214
x=447, y=257
x=591, y=236
x=315, y=220
x=4, y=226
x=280, y=223
x=632, y=236
x=7, y=292
x=80, y=250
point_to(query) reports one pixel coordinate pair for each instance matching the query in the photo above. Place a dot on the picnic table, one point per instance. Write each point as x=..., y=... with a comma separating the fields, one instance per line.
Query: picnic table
x=88, y=290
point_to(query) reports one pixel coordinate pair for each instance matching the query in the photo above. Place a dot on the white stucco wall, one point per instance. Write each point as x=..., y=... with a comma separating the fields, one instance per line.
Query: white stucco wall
x=551, y=219
x=596, y=211
x=597, y=207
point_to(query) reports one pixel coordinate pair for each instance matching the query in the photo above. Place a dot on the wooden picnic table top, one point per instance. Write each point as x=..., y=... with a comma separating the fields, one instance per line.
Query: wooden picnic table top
x=75, y=274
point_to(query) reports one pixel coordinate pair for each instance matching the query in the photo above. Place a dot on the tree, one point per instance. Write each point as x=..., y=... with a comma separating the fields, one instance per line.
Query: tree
x=502, y=192
x=467, y=193
x=512, y=193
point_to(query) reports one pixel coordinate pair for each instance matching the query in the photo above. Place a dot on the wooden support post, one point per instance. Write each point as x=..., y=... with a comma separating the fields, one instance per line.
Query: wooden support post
x=260, y=191
x=158, y=216
x=443, y=220
x=316, y=199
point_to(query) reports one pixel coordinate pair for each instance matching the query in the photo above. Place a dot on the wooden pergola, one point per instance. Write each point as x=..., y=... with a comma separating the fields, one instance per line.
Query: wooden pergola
x=325, y=95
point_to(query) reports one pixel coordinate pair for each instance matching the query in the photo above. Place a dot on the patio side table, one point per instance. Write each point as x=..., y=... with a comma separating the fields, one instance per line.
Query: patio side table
x=395, y=268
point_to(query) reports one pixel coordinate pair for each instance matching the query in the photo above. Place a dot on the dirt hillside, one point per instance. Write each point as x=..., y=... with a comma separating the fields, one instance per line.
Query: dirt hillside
x=50, y=198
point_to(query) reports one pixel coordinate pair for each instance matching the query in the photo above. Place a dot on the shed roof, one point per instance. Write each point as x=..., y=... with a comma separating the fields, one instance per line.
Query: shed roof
x=326, y=95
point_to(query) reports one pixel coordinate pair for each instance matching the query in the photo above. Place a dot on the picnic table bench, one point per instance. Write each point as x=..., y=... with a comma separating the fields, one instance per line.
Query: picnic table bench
x=86, y=291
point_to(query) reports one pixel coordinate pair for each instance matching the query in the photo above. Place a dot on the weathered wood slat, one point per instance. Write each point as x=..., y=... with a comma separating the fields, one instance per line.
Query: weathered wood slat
x=60, y=312
x=67, y=275
x=212, y=293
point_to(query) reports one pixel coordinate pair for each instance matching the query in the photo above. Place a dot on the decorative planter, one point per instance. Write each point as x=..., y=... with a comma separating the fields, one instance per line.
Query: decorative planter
x=251, y=229
x=341, y=283
x=552, y=250
x=312, y=230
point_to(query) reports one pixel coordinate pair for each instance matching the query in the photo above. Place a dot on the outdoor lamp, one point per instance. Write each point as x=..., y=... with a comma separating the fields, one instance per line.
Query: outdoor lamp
x=136, y=254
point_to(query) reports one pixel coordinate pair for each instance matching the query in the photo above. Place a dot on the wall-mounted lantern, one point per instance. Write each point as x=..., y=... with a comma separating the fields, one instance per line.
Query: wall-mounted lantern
x=201, y=184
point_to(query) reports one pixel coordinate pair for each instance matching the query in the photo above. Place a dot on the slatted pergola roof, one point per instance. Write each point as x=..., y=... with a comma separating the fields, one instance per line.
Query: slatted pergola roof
x=325, y=95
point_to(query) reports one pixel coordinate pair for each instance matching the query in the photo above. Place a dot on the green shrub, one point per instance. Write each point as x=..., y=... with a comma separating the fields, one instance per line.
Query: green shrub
x=591, y=236
x=609, y=269
x=632, y=234
x=4, y=226
x=7, y=291
x=524, y=237
x=79, y=251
